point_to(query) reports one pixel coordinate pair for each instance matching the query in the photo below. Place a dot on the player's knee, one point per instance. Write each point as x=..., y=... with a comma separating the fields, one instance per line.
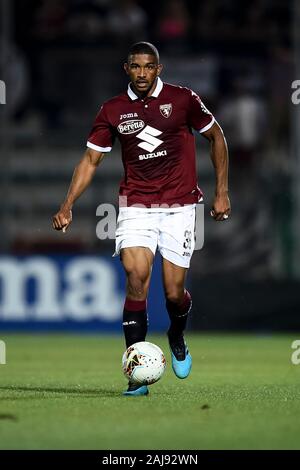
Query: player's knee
x=136, y=284
x=175, y=294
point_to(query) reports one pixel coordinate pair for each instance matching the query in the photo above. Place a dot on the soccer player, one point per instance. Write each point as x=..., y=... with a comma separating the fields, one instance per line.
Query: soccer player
x=158, y=194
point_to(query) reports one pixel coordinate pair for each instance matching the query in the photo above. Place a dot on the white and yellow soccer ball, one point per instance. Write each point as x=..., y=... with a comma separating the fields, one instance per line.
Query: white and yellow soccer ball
x=143, y=363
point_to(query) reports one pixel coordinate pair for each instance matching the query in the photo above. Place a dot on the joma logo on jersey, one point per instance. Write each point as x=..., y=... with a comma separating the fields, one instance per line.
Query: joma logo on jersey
x=128, y=116
x=203, y=107
x=130, y=127
x=149, y=138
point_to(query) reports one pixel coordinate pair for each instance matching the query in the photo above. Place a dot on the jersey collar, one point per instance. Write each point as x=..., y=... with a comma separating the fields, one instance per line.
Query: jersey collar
x=156, y=92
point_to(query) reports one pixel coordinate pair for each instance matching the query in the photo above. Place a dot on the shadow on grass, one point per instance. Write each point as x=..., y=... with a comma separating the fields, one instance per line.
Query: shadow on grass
x=8, y=417
x=41, y=391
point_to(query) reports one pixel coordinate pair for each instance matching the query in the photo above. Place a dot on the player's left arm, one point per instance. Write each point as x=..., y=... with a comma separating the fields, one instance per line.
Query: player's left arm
x=219, y=154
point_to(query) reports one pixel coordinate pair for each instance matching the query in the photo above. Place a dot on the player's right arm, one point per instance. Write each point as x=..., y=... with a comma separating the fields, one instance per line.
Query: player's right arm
x=82, y=177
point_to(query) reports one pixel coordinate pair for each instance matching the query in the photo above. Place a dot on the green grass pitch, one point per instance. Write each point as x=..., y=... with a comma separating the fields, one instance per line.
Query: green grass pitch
x=64, y=392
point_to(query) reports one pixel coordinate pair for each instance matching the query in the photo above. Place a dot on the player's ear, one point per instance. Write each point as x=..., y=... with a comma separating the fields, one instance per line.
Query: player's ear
x=125, y=66
x=159, y=69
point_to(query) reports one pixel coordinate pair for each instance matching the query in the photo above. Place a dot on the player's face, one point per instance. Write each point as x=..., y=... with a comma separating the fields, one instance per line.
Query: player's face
x=142, y=70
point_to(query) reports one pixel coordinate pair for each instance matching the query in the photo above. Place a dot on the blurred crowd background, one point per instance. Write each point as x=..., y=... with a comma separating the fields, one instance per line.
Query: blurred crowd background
x=61, y=59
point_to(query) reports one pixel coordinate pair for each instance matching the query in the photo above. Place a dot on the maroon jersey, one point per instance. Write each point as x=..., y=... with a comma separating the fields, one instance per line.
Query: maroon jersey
x=158, y=145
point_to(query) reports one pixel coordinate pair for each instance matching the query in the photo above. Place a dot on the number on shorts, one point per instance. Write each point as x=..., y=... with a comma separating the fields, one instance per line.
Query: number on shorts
x=187, y=245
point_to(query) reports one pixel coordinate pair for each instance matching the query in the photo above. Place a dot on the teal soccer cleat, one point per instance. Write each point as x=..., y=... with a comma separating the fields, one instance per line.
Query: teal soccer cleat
x=181, y=358
x=136, y=390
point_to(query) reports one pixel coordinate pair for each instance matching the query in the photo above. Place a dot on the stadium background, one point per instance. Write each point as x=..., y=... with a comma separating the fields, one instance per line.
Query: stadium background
x=60, y=60
x=60, y=388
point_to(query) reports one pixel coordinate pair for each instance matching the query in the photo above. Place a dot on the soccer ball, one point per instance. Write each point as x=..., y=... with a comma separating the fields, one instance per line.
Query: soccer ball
x=143, y=363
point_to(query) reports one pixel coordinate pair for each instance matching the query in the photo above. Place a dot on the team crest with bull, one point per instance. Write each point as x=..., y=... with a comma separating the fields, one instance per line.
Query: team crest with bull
x=166, y=110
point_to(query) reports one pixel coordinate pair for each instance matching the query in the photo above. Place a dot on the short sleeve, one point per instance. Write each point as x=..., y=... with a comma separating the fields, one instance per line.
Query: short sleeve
x=199, y=117
x=101, y=136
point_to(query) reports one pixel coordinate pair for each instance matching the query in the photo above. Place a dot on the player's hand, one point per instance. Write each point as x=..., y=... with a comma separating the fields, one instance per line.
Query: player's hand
x=221, y=207
x=62, y=219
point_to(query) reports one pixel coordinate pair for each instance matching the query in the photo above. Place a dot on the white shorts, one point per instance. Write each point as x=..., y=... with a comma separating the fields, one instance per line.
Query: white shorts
x=171, y=230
